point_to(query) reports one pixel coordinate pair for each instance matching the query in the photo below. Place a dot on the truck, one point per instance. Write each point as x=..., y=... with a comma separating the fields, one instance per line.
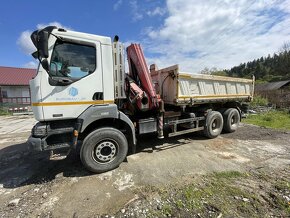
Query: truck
x=82, y=96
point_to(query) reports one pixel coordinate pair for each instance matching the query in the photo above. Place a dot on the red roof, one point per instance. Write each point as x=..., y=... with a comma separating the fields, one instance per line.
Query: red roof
x=16, y=76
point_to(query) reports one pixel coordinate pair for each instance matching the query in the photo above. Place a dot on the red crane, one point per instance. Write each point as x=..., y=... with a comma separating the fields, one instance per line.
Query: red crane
x=142, y=92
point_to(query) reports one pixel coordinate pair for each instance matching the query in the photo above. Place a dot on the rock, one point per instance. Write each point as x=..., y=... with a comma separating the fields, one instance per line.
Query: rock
x=44, y=195
x=159, y=207
x=246, y=200
x=14, y=202
x=287, y=198
x=123, y=210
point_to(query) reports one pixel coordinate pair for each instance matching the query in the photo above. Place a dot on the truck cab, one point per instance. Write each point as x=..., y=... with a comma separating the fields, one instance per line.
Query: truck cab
x=78, y=79
x=80, y=75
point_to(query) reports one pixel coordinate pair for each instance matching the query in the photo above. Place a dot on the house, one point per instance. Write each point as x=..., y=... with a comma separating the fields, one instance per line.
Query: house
x=14, y=86
x=277, y=93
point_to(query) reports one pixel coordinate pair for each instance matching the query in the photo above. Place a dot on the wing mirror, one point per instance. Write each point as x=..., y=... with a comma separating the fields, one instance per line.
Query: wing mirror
x=42, y=45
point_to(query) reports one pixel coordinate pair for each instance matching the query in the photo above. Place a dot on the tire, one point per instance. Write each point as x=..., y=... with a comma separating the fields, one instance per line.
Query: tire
x=213, y=124
x=103, y=150
x=231, y=120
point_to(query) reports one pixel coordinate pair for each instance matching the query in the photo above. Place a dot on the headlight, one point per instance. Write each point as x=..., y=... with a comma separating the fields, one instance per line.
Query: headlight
x=39, y=130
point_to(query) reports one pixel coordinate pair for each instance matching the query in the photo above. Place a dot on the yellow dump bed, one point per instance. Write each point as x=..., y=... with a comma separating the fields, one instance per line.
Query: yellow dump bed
x=178, y=88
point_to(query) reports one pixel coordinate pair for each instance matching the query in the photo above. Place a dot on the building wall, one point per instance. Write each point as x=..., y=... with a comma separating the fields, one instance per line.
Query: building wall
x=15, y=94
x=15, y=91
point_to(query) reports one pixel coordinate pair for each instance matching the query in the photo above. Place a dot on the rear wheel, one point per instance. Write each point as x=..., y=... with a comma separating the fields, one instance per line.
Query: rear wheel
x=103, y=150
x=213, y=124
x=231, y=120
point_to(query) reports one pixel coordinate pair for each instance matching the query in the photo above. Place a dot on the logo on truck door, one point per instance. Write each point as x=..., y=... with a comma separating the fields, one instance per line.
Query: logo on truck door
x=73, y=92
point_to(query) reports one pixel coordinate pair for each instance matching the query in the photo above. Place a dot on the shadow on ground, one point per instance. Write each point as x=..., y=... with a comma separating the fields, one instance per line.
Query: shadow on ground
x=20, y=167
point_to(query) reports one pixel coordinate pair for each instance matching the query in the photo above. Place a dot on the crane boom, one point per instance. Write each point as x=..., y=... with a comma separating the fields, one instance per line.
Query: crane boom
x=140, y=76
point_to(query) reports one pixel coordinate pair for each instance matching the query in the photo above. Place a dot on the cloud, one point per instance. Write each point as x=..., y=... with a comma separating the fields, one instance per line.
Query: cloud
x=136, y=12
x=24, y=42
x=222, y=34
x=117, y=5
x=57, y=24
x=31, y=64
x=157, y=11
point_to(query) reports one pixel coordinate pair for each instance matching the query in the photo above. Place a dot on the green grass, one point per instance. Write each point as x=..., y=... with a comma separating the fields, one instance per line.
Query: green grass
x=225, y=193
x=3, y=112
x=272, y=119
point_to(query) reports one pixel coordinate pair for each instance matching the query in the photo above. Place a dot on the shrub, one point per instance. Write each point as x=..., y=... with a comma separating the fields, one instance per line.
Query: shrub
x=259, y=101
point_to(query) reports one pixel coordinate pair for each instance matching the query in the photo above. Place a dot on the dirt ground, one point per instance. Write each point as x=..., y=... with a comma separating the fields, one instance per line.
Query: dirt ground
x=33, y=186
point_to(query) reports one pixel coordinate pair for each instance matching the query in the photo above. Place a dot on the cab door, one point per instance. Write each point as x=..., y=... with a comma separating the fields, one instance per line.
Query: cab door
x=74, y=81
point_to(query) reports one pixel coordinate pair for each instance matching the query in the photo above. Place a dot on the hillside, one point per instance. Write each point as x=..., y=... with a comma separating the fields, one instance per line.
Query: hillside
x=270, y=68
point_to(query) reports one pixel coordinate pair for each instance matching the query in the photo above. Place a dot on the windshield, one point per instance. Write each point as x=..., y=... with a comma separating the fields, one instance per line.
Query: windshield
x=72, y=60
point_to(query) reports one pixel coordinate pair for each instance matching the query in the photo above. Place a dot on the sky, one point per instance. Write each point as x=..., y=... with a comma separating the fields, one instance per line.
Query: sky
x=192, y=33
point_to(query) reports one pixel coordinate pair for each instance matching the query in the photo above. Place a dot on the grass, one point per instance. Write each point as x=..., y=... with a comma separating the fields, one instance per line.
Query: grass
x=226, y=194
x=271, y=119
x=3, y=112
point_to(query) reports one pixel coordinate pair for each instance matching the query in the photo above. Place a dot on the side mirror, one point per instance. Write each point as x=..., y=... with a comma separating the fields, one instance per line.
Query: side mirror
x=42, y=45
x=45, y=65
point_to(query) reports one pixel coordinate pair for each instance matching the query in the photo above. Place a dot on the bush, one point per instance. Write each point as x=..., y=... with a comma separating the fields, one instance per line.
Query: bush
x=3, y=111
x=259, y=101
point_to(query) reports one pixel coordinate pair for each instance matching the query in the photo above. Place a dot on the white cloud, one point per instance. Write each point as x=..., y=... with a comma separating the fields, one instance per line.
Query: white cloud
x=157, y=11
x=57, y=24
x=24, y=42
x=31, y=64
x=136, y=12
x=222, y=34
x=117, y=5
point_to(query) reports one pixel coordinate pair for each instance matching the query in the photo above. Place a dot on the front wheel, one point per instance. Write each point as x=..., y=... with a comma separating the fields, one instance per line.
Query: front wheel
x=213, y=124
x=103, y=150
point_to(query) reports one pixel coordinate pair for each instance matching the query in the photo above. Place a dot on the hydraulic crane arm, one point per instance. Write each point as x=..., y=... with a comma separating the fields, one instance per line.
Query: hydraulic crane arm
x=140, y=77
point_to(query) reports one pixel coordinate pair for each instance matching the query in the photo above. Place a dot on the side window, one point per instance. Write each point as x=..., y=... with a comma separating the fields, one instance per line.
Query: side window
x=4, y=94
x=72, y=60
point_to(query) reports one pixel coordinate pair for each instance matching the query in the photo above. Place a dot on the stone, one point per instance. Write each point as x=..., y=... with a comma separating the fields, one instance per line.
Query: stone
x=14, y=202
x=246, y=200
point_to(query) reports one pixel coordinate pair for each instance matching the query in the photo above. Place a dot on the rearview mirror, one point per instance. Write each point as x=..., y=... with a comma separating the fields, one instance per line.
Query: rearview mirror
x=42, y=45
x=35, y=54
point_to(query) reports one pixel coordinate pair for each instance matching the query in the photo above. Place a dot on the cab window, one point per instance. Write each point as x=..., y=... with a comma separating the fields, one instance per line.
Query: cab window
x=72, y=60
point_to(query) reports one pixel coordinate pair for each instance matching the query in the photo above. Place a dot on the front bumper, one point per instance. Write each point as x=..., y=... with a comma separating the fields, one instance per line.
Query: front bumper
x=35, y=144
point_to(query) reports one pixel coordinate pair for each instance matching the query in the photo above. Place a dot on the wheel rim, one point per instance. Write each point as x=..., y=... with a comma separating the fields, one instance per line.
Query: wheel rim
x=105, y=151
x=234, y=120
x=215, y=125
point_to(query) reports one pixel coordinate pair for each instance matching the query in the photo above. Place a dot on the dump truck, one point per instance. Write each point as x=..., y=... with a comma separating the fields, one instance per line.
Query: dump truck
x=83, y=98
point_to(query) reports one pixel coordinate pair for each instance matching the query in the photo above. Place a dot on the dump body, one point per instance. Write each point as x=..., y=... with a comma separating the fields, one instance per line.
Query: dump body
x=178, y=88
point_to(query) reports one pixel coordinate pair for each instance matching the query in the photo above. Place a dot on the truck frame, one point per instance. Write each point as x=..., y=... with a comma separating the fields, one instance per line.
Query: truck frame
x=81, y=95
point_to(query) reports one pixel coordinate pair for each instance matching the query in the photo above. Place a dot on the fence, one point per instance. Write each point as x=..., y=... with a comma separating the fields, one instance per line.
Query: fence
x=17, y=100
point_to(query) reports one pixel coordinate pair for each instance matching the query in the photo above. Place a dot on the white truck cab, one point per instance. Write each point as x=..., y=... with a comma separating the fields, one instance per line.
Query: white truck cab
x=73, y=97
x=80, y=75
